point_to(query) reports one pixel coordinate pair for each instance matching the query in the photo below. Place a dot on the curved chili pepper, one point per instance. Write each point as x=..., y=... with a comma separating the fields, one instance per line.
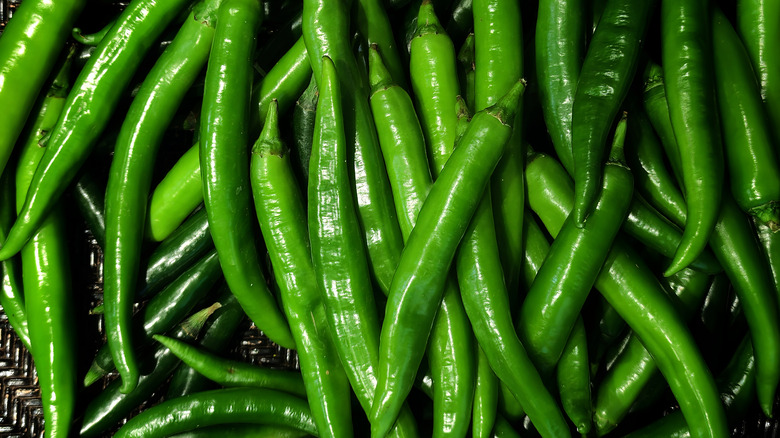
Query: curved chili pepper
x=92, y=39
x=686, y=39
x=418, y=285
x=607, y=73
x=223, y=156
x=28, y=53
x=281, y=213
x=751, y=154
x=98, y=88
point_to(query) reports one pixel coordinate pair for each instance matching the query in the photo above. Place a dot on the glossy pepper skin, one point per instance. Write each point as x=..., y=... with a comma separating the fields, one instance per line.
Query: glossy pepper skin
x=98, y=88
x=607, y=73
x=221, y=406
x=450, y=351
x=686, y=50
x=750, y=151
x=28, y=52
x=559, y=290
x=418, y=285
x=325, y=32
x=130, y=176
x=338, y=252
x=281, y=212
x=224, y=158
x=631, y=288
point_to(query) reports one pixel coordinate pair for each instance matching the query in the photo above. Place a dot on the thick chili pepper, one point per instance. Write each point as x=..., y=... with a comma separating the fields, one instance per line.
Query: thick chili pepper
x=112, y=405
x=418, y=285
x=231, y=373
x=559, y=291
x=223, y=156
x=338, y=251
x=163, y=311
x=28, y=53
x=450, y=351
x=758, y=23
x=560, y=49
x=686, y=39
x=281, y=212
x=98, y=89
x=130, y=175
x=750, y=151
x=221, y=406
x=325, y=32
x=607, y=73
x=631, y=288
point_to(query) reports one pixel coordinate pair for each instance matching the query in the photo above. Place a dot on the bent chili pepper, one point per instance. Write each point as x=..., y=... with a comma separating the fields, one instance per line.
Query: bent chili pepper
x=686, y=39
x=418, y=285
x=98, y=88
x=28, y=52
x=281, y=212
x=607, y=74
x=224, y=154
x=130, y=175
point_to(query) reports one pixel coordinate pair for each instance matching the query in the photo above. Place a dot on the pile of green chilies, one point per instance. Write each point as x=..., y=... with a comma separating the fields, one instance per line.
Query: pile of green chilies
x=484, y=218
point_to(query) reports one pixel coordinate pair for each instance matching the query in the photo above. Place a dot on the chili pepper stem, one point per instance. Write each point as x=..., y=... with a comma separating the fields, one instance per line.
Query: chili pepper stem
x=768, y=214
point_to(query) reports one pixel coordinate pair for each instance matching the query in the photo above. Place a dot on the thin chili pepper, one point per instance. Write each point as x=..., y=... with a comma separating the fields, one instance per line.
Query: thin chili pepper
x=686, y=40
x=223, y=156
x=450, y=351
x=560, y=48
x=630, y=373
x=751, y=154
x=221, y=406
x=466, y=72
x=130, y=176
x=97, y=88
x=181, y=191
x=653, y=230
x=112, y=405
x=573, y=377
x=232, y=373
x=338, y=252
x=558, y=293
x=607, y=73
x=485, y=398
x=758, y=23
x=651, y=176
x=657, y=109
x=736, y=384
x=325, y=32
x=92, y=39
x=303, y=130
x=281, y=212
x=770, y=242
x=631, y=288
x=374, y=24
x=89, y=193
x=28, y=53
x=239, y=430
x=422, y=271
x=432, y=61
x=163, y=311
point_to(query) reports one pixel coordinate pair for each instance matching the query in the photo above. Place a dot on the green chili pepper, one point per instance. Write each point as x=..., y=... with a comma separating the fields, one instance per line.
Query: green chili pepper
x=560, y=49
x=223, y=156
x=130, y=176
x=325, y=31
x=98, y=89
x=28, y=53
x=686, y=39
x=422, y=271
x=607, y=73
x=282, y=215
x=758, y=23
x=657, y=109
x=231, y=373
x=466, y=72
x=573, y=376
x=450, y=351
x=243, y=431
x=485, y=398
x=631, y=288
x=338, y=251
x=374, y=24
x=752, y=156
x=303, y=130
x=89, y=193
x=92, y=39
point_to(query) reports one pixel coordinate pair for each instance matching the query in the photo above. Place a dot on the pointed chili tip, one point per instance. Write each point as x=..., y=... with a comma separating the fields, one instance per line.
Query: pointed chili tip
x=617, y=151
x=427, y=21
x=378, y=75
x=506, y=107
x=270, y=140
x=129, y=383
